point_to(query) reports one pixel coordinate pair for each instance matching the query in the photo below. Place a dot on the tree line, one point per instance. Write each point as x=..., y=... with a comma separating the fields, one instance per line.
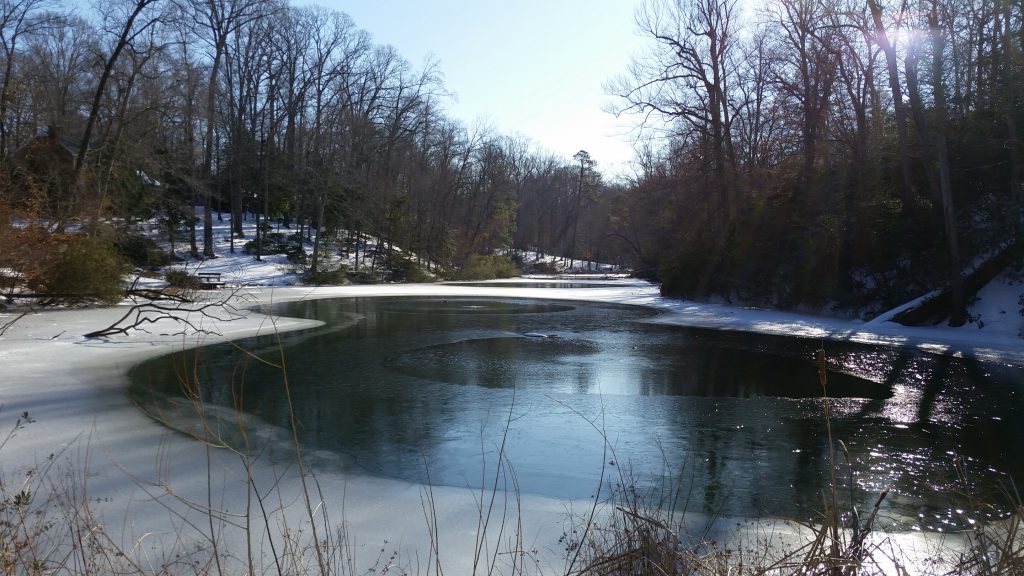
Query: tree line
x=257, y=108
x=845, y=153
x=851, y=154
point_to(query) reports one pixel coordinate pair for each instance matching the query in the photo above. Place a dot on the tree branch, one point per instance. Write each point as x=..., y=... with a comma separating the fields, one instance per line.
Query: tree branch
x=139, y=316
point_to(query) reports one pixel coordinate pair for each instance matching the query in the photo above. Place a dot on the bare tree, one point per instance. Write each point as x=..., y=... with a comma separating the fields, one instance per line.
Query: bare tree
x=958, y=312
x=757, y=120
x=128, y=32
x=59, y=80
x=1013, y=76
x=247, y=74
x=809, y=56
x=685, y=79
x=59, y=69
x=218, y=20
x=18, y=19
x=130, y=119
x=898, y=105
x=932, y=135
x=335, y=61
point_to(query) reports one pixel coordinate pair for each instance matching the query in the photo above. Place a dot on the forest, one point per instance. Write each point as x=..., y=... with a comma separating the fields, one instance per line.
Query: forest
x=836, y=155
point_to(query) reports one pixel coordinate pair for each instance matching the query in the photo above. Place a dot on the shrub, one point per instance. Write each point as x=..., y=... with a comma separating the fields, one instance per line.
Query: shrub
x=364, y=277
x=487, y=267
x=180, y=278
x=84, y=269
x=694, y=271
x=142, y=252
x=278, y=243
x=401, y=269
x=544, y=267
x=267, y=248
x=415, y=273
x=296, y=254
x=330, y=277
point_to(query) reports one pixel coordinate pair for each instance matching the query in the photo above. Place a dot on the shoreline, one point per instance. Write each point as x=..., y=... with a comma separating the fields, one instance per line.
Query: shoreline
x=75, y=389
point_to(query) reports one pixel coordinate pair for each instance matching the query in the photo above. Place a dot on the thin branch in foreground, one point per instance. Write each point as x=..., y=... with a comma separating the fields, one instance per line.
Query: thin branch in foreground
x=7, y=326
x=147, y=313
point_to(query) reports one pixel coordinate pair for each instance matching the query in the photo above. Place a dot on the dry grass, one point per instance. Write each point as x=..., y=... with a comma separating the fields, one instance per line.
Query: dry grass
x=637, y=540
x=645, y=536
x=46, y=523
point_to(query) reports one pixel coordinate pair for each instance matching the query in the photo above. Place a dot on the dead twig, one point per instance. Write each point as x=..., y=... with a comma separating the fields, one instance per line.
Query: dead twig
x=181, y=313
x=6, y=326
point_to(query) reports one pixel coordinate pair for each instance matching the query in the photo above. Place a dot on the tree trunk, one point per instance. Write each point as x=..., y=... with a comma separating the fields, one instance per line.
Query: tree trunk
x=1011, y=82
x=211, y=113
x=192, y=241
x=958, y=309
x=5, y=90
x=935, y=310
x=108, y=68
x=924, y=138
x=315, y=262
x=899, y=108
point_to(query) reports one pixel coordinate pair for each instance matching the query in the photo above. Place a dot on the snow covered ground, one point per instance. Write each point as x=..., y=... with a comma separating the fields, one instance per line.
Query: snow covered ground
x=994, y=332
x=239, y=268
x=74, y=387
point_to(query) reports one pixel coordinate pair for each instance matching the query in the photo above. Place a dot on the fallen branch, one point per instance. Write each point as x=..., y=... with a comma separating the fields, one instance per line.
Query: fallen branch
x=934, y=310
x=157, y=294
x=181, y=313
x=8, y=325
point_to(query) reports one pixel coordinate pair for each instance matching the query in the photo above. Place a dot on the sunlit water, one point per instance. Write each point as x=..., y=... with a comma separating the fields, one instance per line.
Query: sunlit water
x=586, y=398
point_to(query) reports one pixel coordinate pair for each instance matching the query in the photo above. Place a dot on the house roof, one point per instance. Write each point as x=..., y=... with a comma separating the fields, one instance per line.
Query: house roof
x=50, y=136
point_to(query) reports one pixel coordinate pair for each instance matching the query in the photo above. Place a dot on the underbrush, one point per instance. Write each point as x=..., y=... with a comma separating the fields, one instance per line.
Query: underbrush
x=390, y=268
x=182, y=278
x=279, y=243
x=328, y=276
x=635, y=538
x=486, y=267
x=544, y=267
x=143, y=252
x=403, y=269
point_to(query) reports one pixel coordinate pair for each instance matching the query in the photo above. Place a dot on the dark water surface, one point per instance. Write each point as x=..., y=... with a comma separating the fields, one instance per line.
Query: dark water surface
x=404, y=387
x=541, y=284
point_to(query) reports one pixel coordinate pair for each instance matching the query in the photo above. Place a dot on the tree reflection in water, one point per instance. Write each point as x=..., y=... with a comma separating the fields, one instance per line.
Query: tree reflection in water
x=393, y=383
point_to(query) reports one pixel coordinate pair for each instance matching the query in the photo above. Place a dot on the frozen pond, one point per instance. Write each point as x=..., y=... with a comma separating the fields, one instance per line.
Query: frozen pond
x=411, y=387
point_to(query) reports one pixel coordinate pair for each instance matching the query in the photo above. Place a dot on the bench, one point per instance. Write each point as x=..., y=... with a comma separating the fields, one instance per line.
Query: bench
x=209, y=280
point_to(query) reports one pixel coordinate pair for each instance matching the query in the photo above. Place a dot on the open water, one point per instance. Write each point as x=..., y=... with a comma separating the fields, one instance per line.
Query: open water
x=583, y=400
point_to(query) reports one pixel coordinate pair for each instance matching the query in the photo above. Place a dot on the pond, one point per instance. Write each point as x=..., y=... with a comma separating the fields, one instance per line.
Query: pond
x=541, y=284
x=580, y=396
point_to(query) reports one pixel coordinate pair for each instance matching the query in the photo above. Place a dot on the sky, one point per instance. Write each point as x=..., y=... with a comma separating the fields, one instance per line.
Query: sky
x=533, y=68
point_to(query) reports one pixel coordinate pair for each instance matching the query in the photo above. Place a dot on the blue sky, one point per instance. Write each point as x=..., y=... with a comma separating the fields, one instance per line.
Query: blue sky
x=528, y=67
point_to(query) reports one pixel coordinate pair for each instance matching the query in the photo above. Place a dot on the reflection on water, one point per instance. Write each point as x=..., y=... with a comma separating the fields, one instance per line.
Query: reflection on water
x=664, y=366
x=468, y=306
x=394, y=383
x=540, y=284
